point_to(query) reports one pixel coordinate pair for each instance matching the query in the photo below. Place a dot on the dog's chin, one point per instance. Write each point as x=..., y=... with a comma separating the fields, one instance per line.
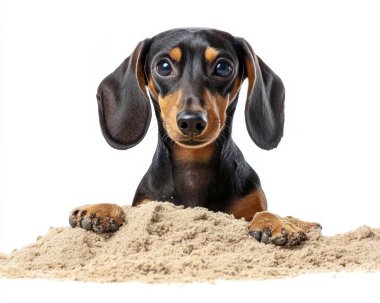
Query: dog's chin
x=192, y=143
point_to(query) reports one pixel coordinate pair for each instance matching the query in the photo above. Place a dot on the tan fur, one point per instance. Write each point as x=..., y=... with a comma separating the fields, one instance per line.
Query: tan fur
x=266, y=220
x=152, y=88
x=103, y=211
x=170, y=106
x=139, y=68
x=211, y=54
x=175, y=54
x=194, y=155
x=249, y=205
x=216, y=113
x=216, y=107
x=269, y=228
x=235, y=89
x=306, y=226
x=250, y=71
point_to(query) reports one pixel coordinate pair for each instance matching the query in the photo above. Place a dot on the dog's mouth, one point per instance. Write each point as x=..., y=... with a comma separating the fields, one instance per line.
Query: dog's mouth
x=193, y=142
x=197, y=141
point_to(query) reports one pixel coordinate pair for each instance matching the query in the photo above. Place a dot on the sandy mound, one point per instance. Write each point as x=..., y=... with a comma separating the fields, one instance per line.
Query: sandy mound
x=162, y=242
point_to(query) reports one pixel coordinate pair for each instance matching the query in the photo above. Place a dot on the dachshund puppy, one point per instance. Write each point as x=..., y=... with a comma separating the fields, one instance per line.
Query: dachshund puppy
x=192, y=77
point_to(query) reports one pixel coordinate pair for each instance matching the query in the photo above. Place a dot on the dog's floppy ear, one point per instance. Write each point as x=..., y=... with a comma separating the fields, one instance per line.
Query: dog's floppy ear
x=264, y=109
x=124, y=107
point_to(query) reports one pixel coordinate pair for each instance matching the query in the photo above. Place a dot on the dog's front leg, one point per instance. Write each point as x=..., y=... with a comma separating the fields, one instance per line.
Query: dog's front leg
x=100, y=218
x=267, y=227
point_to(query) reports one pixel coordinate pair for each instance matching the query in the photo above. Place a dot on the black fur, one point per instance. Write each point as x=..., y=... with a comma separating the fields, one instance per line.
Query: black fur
x=124, y=108
x=125, y=115
x=213, y=185
x=264, y=110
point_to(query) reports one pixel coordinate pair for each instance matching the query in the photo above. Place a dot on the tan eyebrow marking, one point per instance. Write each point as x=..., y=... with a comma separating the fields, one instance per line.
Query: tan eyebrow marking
x=175, y=54
x=211, y=54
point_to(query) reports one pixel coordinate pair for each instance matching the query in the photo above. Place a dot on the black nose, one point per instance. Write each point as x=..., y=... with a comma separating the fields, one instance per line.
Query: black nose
x=191, y=123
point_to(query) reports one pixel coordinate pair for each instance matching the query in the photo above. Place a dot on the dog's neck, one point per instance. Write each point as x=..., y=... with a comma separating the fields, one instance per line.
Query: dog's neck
x=194, y=172
x=191, y=156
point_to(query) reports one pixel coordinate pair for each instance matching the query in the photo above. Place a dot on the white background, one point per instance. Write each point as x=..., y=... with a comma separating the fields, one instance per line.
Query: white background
x=53, y=55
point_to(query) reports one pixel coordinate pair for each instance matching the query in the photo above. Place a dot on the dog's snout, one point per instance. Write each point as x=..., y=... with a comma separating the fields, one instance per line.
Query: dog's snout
x=191, y=100
x=192, y=123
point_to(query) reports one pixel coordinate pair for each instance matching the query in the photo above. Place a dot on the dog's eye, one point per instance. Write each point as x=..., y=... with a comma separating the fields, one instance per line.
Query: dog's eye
x=223, y=69
x=164, y=68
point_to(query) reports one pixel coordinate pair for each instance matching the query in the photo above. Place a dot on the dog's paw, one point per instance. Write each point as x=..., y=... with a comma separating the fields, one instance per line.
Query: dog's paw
x=269, y=228
x=100, y=218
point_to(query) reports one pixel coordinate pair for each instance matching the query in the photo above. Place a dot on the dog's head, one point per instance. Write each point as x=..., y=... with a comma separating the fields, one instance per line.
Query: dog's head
x=193, y=77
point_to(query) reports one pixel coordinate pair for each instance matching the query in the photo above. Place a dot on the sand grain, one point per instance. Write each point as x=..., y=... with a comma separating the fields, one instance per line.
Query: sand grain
x=165, y=243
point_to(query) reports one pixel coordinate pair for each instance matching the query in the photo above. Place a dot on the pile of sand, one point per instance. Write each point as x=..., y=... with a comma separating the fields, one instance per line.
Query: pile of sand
x=161, y=242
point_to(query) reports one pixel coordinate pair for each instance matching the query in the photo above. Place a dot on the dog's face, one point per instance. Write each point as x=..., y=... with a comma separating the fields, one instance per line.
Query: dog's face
x=193, y=76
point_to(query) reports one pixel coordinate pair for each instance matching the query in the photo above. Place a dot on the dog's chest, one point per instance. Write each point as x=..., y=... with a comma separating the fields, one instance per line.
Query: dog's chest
x=194, y=184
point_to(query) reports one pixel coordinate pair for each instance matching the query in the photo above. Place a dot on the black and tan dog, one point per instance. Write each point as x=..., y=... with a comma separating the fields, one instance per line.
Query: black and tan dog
x=193, y=77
